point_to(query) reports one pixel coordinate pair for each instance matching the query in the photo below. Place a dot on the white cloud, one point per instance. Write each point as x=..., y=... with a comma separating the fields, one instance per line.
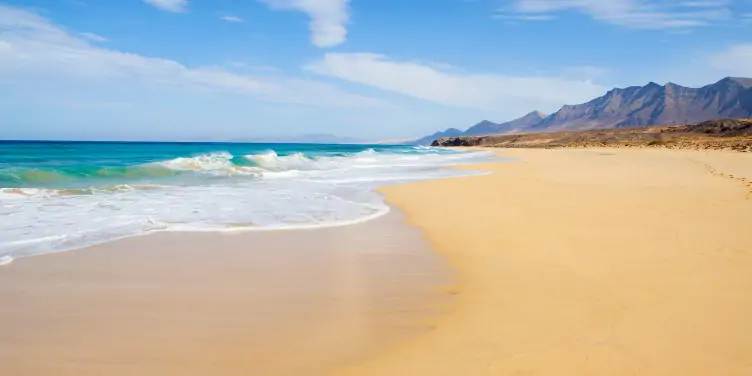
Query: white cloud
x=640, y=14
x=734, y=61
x=176, y=6
x=523, y=17
x=94, y=37
x=31, y=46
x=329, y=18
x=232, y=19
x=504, y=95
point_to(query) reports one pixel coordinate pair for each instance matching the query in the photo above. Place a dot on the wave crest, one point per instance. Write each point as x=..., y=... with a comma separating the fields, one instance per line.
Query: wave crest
x=270, y=161
x=215, y=163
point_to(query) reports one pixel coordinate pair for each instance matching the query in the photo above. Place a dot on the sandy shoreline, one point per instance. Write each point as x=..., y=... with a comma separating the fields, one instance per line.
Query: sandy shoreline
x=588, y=262
x=266, y=303
x=568, y=262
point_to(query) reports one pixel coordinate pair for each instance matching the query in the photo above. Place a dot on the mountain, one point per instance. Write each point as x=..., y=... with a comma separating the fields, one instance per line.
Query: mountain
x=449, y=132
x=486, y=127
x=654, y=104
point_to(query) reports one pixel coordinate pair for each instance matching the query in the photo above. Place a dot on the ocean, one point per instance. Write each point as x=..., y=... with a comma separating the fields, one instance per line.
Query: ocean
x=57, y=196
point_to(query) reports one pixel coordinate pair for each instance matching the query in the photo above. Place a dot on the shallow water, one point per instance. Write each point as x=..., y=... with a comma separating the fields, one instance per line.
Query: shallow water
x=57, y=196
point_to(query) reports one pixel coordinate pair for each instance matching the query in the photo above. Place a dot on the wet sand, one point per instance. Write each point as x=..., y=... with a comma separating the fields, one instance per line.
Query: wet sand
x=264, y=303
x=588, y=262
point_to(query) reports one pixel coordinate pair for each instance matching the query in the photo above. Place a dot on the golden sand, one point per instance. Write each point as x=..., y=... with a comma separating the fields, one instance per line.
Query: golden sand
x=588, y=262
x=568, y=262
x=267, y=303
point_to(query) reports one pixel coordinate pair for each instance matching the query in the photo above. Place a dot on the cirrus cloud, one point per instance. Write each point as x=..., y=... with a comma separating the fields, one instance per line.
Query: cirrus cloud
x=638, y=14
x=505, y=95
x=234, y=19
x=175, y=6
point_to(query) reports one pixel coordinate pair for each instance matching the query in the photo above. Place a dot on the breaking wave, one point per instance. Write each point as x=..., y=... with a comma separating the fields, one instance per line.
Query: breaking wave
x=48, y=208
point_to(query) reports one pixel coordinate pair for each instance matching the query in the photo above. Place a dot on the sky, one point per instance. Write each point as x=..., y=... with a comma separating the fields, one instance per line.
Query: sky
x=218, y=70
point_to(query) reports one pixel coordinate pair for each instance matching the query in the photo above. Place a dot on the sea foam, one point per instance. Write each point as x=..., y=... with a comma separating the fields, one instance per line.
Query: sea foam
x=5, y=260
x=213, y=191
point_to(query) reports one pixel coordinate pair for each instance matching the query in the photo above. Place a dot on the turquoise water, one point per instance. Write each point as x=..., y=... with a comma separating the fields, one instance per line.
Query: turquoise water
x=64, y=195
x=82, y=164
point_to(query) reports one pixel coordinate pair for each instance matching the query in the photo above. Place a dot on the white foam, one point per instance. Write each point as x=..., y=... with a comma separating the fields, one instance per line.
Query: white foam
x=215, y=163
x=284, y=192
x=270, y=161
x=5, y=260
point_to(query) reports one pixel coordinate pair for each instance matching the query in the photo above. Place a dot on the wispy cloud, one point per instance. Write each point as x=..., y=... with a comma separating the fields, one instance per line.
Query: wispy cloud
x=94, y=37
x=734, y=61
x=639, y=14
x=523, y=17
x=176, y=6
x=31, y=45
x=505, y=95
x=329, y=18
x=255, y=67
x=232, y=19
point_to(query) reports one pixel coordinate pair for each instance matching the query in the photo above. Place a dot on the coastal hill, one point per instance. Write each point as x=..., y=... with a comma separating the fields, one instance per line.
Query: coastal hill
x=733, y=134
x=652, y=104
x=486, y=127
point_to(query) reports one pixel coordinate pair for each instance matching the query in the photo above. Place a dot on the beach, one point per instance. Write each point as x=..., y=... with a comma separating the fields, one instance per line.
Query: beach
x=299, y=302
x=559, y=262
x=588, y=262
x=161, y=258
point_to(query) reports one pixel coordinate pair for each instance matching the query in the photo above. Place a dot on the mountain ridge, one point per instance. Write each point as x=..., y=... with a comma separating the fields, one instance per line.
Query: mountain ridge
x=651, y=104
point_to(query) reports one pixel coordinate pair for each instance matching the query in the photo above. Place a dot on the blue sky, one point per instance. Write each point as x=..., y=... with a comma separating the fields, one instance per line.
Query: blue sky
x=373, y=69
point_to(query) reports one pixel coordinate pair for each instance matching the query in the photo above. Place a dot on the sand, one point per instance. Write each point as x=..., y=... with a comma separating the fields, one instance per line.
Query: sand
x=588, y=262
x=266, y=303
x=567, y=262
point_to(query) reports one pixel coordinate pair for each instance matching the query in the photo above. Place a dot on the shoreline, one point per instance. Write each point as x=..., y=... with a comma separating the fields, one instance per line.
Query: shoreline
x=273, y=302
x=6, y=260
x=587, y=261
x=384, y=209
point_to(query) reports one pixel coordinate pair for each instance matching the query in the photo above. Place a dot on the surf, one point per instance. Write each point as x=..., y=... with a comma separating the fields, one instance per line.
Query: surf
x=104, y=193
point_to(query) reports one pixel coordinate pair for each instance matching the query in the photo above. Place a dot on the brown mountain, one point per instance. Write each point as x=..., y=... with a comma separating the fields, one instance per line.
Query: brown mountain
x=654, y=104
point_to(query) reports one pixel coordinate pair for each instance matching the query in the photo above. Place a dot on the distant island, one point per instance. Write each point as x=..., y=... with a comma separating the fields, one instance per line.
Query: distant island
x=634, y=106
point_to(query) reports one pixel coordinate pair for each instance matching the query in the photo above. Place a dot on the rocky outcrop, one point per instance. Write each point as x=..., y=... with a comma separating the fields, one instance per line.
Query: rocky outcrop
x=459, y=141
x=450, y=132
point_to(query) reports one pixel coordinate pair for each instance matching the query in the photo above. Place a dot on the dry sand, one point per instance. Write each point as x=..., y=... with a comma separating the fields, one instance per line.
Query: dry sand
x=588, y=262
x=268, y=303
